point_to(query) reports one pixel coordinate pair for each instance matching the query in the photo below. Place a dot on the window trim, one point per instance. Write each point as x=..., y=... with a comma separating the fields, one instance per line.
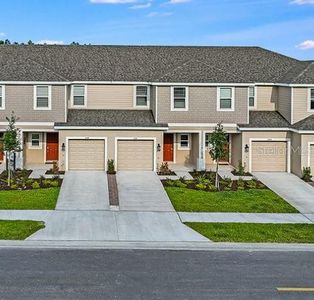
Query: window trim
x=2, y=107
x=232, y=98
x=135, y=96
x=35, y=97
x=186, y=98
x=255, y=106
x=85, y=96
x=40, y=140
x=189, y=141
x=309, y=100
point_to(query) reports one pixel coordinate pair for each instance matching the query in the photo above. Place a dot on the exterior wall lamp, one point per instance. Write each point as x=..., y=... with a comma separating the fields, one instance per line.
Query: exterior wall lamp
x=158, y=148
x=63, y=147
x=246, y=148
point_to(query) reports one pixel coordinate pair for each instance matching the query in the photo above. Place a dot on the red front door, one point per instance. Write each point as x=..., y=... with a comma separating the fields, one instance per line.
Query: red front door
x=168, y=147
x=52, y=146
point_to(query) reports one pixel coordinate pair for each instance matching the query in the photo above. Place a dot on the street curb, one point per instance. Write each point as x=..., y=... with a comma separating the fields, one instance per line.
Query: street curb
x=137, y=245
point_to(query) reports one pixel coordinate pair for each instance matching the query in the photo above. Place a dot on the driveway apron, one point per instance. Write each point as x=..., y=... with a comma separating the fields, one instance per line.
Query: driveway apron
x=84, y=190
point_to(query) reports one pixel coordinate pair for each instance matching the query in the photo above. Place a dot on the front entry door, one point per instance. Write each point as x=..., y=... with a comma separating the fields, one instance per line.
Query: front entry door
x=52, y=146
x=168, y=147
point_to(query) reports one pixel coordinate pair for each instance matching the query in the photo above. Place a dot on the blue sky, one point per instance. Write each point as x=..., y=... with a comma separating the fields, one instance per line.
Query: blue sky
x=285, y=26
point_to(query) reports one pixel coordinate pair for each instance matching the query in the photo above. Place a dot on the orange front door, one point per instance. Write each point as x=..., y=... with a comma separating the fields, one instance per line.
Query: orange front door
x=168, y=147
x=52, y=146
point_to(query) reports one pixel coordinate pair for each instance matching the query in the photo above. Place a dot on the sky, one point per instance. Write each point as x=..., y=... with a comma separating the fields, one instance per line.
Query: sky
x=285, y=26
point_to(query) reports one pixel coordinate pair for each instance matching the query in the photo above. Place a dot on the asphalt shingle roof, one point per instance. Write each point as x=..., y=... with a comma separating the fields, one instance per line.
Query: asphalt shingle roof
x=150, y=64
x=110, y=118
x=266, y=119
x=305, y=124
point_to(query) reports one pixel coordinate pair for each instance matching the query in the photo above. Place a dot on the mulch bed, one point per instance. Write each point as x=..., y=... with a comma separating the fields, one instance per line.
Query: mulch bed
x=236, y=173
x=50, y=172
x=113, y=190
x=171, y=173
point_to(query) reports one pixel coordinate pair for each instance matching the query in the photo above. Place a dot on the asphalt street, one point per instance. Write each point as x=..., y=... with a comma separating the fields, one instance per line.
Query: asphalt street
x=152, y=274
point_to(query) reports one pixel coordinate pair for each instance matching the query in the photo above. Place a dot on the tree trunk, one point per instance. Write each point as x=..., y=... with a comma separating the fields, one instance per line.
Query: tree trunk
x=217, y=177
x=9, y=168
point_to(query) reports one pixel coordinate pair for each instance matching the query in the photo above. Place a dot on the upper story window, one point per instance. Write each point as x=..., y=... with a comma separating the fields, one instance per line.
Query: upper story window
x=311, y=104
x=179, y=99
x=79, y=95
x=142, y=96
x=184, y=141
x=225, y=99
x=2, y=95
x=252, y=101
x=42, y=97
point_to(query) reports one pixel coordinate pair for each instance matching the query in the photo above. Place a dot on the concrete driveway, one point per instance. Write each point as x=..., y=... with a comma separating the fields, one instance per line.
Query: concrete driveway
x=142, y=191
x=291, y=188
x=84, y=190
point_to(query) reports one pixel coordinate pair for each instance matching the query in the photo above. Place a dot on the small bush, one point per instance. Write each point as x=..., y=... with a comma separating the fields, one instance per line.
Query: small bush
x=241, y=168
x=226, y=184
x=29, y=182
x=211, y=187
x=170, y=182
x=111, y=168
x=252, y=184
x=165, y=170
x=201, y=186
x=307, y=174
x=241, y=184
x=202, y=180
x=55, y=168
x=179, y=184
x=54, y=183
x=35, y=185
x=14, y=186
x=46, y=182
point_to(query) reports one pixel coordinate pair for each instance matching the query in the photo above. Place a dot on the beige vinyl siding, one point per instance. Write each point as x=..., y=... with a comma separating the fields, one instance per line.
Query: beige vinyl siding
x=19, y=98
x=109, y=97
x=86, y=155
x=236, y=149
x=135, y=155
x=266, y=98
x=296, y=153
x=111, y=135
x=284, y=102
x=300, y=104
x=33, y=156
x=269, y=156
x=202, y=106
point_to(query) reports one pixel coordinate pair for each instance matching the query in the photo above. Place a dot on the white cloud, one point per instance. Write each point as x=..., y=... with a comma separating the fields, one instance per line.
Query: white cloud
x=178, y=1
x=159, y=14
x=302, y=2
x=2, y=34
x=306, y=45
x=50, y=42
x=141, y=6
x=112, y=1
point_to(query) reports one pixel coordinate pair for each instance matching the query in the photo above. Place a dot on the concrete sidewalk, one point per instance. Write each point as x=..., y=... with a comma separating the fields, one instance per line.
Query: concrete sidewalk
x=245, y=218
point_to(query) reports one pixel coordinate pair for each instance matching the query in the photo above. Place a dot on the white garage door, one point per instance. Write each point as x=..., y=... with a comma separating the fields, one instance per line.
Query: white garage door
x=135, y=155
x=269, y=156
x=86, y=155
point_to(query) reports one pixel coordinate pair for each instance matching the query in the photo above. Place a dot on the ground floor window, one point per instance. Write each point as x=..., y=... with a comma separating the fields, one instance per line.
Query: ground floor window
x=184, y=141
x=35, y=140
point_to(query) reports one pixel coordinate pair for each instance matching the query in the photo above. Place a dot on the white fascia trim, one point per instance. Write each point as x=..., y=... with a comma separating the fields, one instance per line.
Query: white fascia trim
x=309, y=146
x=3, y=98
x=267, y=129
x=135, y=106
x=232, y=99
x=200, y=124
x=110, y=128
x=35, y=82
x=30, y=123
x=156, y=105
x=292, y=106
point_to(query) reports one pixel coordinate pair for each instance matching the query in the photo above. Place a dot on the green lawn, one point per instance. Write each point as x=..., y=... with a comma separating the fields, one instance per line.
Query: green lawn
x=29, y=199
x=256, y=233
x=258, y=201
x=18, y=230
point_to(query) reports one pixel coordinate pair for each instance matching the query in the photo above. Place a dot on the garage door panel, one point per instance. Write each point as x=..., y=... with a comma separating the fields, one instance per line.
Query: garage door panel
x=269, y=156
x=312, y=158
x=86, y=155
x=135, y=155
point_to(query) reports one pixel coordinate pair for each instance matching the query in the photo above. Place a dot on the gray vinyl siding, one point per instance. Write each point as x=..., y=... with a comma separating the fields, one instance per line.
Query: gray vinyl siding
x=284, y=102
x=19, y=98
x=202, y=107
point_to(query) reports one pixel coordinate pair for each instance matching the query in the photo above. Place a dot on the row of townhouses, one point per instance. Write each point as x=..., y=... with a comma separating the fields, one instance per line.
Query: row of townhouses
x=144, y=105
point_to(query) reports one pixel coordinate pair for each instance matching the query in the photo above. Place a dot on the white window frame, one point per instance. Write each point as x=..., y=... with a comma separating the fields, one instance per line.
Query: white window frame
x=189, y=141
x=2, y=107
x=309, y=100
x=85, y=96
x=135, y=96
x=40, y=145
x=186, y=99
x=232, y=98
x=35, y=97
x=248, y=99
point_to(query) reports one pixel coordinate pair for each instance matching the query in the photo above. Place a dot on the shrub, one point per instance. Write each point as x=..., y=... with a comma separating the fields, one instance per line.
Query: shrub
x=111, y=168
x=307, y=174
x=241, y=168
x=29, y=182
x=46, y=182
x=164, y=169
x=211, y=187
x=201, y=186
x=202, y=180
x=226, y=183
x=179, y=184
x=54, y=183
x=35, y=185
x=241, y=184
x=252, y=184
x=55, y=168
x=170, y=182
x=14, y=186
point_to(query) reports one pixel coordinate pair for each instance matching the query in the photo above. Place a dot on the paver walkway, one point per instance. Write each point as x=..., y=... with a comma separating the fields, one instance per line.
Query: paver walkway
x=142, y=191
x=84, y=190
x=291, y=188
x=245, y=218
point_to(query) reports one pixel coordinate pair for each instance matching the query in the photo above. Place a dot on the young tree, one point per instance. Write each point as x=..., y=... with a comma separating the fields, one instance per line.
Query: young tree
x=217, y=151
x=11, y=142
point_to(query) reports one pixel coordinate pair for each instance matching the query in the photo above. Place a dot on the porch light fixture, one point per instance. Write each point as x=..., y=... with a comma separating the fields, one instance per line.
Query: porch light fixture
x=158, y=148
x=246, y=148
x=63, y=147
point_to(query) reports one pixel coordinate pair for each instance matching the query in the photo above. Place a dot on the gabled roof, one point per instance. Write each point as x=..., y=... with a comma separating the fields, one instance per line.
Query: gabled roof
x=109, y=118
x=305, y=124
x=266, y=119
x=150, y=64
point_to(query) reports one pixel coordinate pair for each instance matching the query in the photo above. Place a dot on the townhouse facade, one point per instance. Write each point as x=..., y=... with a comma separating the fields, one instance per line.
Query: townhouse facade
x=145, y=105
